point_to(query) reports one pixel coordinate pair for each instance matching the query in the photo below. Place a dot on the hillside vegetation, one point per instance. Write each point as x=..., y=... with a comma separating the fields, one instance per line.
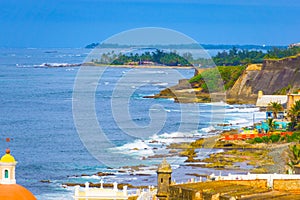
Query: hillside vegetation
x=275, y=74
x=210, y=78
x=241, y=57
x=156, y=57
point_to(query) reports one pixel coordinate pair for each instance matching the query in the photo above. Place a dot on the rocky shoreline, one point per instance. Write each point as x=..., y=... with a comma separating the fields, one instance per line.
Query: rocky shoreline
x=237, y=155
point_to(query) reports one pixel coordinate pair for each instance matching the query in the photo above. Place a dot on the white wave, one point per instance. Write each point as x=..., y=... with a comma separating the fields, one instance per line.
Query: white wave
x=57, y=65
x=145, y=172
x=91, y=177
x=174, y=137
x=242, y=110
x=172, y=110
x=221, y=103
x=160, y=84
x=238, y=121
x=138, y=148
x=155, y=109
x=24, y=66
x=208, y=129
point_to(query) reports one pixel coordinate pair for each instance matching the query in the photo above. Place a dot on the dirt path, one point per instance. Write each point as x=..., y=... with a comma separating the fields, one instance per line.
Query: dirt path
x=279, y=158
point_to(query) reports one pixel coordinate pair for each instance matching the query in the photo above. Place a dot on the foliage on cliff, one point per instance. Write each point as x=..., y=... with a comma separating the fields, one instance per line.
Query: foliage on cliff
x=242, y=57
x=277, y=53
x=156, y=57
x=238, y=57
x=210, y=78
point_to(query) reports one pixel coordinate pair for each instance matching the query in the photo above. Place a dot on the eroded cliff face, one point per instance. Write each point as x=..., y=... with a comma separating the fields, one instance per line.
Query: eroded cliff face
x=270, y=77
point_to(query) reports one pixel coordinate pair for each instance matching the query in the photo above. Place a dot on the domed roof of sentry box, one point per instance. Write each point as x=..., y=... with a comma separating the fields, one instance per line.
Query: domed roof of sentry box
x=164, y=167
x=7, y=158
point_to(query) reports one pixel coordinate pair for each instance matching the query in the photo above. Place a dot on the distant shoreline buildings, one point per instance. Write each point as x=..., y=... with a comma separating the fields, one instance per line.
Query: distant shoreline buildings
x=294, y=45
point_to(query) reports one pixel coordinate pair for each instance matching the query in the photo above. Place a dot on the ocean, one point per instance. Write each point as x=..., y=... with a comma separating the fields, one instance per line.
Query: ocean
x=38, y=112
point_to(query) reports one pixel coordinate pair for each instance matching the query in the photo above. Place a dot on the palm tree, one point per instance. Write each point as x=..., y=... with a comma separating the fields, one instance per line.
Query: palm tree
x=294, y=114
x=294, y=155
x=275, y=107
x=270, y=124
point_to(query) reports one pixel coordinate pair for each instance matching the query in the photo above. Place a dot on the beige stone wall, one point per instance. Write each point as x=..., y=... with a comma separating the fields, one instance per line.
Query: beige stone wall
x=254, y=183
x=286, y=185
x=291, y=100
x=177, y=193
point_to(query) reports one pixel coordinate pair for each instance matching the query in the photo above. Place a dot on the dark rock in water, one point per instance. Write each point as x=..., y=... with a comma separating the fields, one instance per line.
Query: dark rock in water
x=83, y=175
x=224, y=125
x=136, y=174
x=97, y=174
x=45, y=181
x=104, y=174
x=50, y=51
x=148, y=97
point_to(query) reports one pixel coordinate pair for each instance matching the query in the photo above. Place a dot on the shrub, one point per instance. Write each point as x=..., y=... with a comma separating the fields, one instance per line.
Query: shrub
x=275, y=138
x=258, y=140
x=266, y=139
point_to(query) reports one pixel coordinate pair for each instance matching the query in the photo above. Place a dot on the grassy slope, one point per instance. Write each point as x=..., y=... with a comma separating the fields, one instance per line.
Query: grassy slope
x=210, y=77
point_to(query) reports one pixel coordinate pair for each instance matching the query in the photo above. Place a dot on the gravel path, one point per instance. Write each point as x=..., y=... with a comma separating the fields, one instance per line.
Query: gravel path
x=279, y=158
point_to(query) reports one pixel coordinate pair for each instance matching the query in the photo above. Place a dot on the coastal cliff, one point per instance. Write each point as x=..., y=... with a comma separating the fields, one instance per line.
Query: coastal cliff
x=273, y=76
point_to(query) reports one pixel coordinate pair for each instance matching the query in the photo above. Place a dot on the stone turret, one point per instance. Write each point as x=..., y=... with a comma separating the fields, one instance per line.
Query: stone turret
x=164, y=172
x=260, y=94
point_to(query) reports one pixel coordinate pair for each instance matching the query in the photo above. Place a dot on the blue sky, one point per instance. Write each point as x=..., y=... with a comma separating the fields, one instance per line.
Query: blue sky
x=75, y=23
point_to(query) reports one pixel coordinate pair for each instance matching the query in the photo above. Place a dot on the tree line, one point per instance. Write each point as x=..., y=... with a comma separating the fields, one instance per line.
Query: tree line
x=232, y=57
x=156, y=57
x=235, y=56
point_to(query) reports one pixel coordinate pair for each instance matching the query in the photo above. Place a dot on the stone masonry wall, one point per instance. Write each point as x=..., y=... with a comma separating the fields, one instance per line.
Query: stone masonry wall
x=261, y=183
x=286, y=184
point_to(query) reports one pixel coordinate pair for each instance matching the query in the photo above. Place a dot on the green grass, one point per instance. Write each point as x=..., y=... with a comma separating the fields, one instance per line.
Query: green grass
x=211, y=79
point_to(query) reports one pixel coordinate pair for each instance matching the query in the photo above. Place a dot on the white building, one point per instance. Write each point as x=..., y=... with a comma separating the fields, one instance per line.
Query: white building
x=93, y=193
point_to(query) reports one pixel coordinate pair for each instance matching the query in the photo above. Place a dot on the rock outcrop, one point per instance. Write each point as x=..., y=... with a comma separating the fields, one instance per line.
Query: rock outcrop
x=270, y=77
x=273, y=76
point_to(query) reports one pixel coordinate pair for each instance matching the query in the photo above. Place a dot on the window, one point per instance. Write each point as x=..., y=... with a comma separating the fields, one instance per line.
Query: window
x=161, y=180
x=6, y=173
x=169, y=180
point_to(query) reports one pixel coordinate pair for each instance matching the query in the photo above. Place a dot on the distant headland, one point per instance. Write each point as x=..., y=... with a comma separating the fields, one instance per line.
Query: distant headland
x=240, y=74
x=187, y=46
